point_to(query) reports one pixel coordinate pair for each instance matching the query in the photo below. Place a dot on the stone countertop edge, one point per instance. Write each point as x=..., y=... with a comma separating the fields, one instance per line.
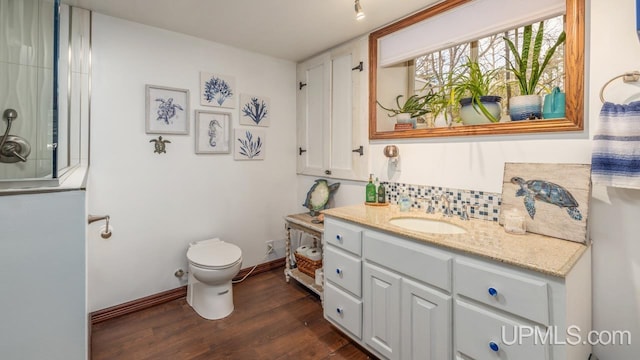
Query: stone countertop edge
x=540, y=253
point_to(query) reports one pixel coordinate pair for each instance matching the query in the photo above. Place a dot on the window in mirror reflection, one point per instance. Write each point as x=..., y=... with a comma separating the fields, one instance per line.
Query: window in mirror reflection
x=485, y=67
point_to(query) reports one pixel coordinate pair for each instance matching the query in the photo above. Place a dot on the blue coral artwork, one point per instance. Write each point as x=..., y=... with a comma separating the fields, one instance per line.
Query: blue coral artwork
x=167, y=110
x=249, y=144
x=217, y=90
x=254, y=110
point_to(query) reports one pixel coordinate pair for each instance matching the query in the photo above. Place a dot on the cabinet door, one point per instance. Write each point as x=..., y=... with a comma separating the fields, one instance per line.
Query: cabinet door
x=425, y=323
x=330, y=123
x=382, y=311
x=313, y=101
x=346, y=118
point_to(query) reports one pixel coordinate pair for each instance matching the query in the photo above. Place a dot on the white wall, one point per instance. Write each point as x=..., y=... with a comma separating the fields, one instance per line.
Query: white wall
x=160, y=203
x=42, y=252
x=478, y=163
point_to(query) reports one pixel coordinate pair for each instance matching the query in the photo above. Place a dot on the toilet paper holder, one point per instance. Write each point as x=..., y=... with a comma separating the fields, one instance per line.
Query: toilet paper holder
x=107, y=232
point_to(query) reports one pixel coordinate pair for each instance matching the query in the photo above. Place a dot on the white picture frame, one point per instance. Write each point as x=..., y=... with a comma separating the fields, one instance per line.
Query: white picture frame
x=167, y=110
x=213, y=132
x=249, y=144
x=217, y=90
x=254, y=110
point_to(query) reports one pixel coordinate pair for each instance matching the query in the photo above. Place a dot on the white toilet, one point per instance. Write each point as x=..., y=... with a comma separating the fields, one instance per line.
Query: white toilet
x=212, y=265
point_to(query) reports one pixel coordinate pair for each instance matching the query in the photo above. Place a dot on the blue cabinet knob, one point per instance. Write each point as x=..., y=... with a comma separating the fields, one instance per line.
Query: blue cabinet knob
x=339, y=237
x=494, y=346
x=493, y=292
x=339, y=311
x=338, y=271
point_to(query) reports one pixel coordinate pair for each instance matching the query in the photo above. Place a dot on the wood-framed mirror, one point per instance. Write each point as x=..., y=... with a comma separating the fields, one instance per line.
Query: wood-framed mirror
x=573, y=82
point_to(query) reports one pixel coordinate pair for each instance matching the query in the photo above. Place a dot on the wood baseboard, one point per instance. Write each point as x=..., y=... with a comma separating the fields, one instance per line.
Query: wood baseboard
x=146, y=302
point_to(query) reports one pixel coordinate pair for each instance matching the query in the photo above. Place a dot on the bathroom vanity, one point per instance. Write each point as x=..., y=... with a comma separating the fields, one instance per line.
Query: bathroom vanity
x=462, y=290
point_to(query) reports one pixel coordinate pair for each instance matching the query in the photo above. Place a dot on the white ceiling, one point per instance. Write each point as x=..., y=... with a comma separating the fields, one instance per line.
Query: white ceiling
x=289, y=29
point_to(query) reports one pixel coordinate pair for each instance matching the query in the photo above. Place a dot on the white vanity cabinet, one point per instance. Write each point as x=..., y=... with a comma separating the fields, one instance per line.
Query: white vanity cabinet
x=343, y=276
x=420, y=301
x=331, y=114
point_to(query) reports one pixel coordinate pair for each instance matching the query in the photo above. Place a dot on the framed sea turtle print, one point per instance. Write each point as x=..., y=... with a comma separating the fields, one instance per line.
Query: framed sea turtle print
x=213, y=131
x=554, y=198
x=167, y=110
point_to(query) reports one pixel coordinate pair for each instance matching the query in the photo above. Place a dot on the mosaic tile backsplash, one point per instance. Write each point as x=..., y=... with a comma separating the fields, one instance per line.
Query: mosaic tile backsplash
x=482, y=204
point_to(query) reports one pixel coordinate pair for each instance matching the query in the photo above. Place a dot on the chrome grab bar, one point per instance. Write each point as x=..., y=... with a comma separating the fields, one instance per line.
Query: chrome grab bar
x=93, y=218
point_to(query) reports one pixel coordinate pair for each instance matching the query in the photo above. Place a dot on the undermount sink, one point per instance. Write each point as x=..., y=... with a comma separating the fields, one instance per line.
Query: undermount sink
x=427, y=225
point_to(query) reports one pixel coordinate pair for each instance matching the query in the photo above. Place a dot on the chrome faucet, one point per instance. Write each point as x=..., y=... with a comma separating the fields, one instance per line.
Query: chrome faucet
x=464, y=214
x=447, y=206
x=430, y=208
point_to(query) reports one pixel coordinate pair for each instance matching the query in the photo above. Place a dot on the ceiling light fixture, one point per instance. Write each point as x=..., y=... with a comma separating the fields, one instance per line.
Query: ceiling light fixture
x=359, y=12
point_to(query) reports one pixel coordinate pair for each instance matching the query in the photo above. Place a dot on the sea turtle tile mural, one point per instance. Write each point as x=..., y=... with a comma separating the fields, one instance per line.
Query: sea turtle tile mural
x=553, y=197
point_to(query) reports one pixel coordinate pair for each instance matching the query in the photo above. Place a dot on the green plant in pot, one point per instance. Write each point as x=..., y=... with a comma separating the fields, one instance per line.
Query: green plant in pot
x=415, y=106
x=527, y=67
x=473, y=91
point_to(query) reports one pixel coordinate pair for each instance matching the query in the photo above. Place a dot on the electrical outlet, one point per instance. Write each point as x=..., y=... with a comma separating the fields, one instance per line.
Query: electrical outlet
x=269, y=246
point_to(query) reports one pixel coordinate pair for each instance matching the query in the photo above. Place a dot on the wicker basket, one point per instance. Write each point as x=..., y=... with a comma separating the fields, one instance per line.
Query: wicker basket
x=307, y=266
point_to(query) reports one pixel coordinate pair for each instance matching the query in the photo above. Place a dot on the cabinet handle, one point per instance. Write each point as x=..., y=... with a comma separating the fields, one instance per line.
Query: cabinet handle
x=327, y=172
x=359, y=67
x=339, y=310
x=493, y=346
x=359, y=150
x=339, y=237
x=301, y=151
x=338, y=271
x=302, y=85
x=493, y=292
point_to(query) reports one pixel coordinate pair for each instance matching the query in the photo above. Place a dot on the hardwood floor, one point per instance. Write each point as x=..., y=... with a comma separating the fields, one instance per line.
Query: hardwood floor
x=271, y=320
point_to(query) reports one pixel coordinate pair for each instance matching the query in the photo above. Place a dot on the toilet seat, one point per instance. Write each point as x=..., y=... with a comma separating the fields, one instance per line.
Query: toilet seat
x=214, y=254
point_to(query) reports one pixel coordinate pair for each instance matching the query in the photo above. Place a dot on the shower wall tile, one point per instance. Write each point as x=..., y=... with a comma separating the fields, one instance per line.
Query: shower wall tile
x=80, y=44
x=42, y=149
x=482, y=204
x=18, y=90
x=19, y=31
x=45, y=34
x=18, y=170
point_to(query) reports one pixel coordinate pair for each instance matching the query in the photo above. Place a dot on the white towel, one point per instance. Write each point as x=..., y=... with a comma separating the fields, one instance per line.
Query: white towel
x=616, y=146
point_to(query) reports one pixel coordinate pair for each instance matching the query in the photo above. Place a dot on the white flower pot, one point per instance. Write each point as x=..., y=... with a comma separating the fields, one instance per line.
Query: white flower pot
x=525, y=107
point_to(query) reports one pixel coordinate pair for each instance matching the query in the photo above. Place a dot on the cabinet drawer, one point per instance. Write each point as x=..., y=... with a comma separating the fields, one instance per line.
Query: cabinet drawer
x=414, y=259
x=343, y=235
x=503, y=289
x=477, y=330
x=343, y=269
x=343, y=309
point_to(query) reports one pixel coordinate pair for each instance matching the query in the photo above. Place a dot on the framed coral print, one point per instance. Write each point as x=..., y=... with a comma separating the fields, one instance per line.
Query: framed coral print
x=167, y=110
x=254, y=110
x=217, y=90
x=213, y=130
x=249, y=144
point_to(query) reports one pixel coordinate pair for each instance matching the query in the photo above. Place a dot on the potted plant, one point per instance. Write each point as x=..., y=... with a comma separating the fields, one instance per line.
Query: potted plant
x=473, y=91
x=528, y=105
x=415, y=106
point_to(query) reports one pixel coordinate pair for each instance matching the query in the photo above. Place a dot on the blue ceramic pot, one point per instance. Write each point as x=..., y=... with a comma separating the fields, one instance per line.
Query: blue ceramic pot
x=472, y=115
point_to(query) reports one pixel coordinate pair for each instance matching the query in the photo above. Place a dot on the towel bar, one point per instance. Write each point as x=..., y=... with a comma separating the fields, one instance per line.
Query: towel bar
x=628, y=77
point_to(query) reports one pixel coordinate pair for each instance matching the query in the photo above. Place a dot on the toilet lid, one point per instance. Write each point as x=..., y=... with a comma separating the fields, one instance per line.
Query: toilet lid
x=213, y=253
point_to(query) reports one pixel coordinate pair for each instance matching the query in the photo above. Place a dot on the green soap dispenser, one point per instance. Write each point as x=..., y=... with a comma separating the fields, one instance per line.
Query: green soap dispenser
x=370, y=190
x=382, y=194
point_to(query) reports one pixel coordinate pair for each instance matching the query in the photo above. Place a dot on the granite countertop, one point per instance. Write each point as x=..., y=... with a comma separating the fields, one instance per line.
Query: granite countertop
x=487, y=239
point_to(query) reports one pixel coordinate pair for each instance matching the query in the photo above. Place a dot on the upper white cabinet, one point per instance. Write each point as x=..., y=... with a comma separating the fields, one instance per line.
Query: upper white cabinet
x=331, y=113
